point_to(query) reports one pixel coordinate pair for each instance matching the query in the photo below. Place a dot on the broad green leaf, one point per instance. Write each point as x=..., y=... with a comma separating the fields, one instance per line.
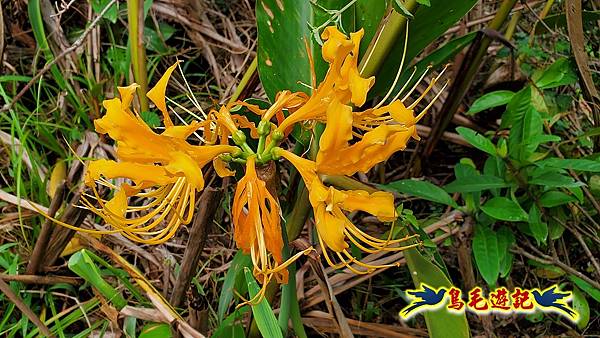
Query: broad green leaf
x=238, y=263
x=538, y=228
x=367, y=15
x=522, y=141
x=477, y=140
x=506, y=239
x=439, y=322
x=475, y=183
x=516, y=108
x=284, y=32
x=263, y=314
x=504, y=209
x=560, y=73
x=487, y=255
x=491, y=100
x=429, y=23
x=422, y=189
x=553, y=198
x=156, y=330
x=575, y=164
x=585, y=286
x=287, y=27
x=582, y=307
x=555, y=180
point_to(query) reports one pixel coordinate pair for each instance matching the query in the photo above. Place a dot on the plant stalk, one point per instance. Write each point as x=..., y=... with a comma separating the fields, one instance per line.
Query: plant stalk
x=135, y=15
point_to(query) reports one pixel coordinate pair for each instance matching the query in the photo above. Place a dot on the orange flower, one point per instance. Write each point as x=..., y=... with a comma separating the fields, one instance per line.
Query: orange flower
x=334, y=228
x=257, y=228
x=165, y=170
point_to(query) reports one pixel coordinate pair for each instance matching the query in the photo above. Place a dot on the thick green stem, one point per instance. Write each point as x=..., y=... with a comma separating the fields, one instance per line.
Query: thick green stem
x=135, y=15
x=390, y=29
x=244, y=81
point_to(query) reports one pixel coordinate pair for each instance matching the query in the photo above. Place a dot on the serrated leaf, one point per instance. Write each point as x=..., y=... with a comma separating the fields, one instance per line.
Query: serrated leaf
x=422, y=189
x=475, y=183
x=504, y=209
x=487, y=255
x=491, y=100
x=477, y=140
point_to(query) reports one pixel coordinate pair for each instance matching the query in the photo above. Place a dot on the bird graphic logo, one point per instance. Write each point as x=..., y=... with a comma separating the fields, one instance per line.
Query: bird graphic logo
x=423, y=298
x=553, y=300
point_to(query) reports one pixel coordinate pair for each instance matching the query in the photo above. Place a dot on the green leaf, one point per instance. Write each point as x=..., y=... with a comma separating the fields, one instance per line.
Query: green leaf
x=504, y=209
x=574, y=164
x=487, y=255
x=560, y=73
x=587, y=287
x=151, y=118
x=263, y=314
x=439, y=322
x=538, y=228
x=238, y=263
x=422, y=189
x=81, y=264
x=110, y=15
x=475, y=183
x=156, y=330
x=436, y=59
x=285, y=27
x=553, y=198
x=477, y=140
x=522, y=141
x=582, y=307
x=517, y=107
x=399, y=7
x=232, y=326
x=491, y=100
x=506, y=239
x=428, y=24
x=424, y=2
x=555, y=180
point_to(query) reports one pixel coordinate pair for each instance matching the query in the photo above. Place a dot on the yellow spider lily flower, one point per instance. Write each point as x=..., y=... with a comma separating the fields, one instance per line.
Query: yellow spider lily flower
x=165, y=169
x=356, y=141
x=334, y=227
x=257, y=228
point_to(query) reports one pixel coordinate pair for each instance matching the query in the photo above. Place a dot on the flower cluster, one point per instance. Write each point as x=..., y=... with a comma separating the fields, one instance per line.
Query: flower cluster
x=163, y=171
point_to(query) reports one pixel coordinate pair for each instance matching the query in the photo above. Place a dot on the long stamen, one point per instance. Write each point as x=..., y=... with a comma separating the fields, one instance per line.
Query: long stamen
x=416, y=83
x=399, y=70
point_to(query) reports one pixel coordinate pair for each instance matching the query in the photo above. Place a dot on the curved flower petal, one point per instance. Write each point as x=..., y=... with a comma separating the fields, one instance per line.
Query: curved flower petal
x=157, y=94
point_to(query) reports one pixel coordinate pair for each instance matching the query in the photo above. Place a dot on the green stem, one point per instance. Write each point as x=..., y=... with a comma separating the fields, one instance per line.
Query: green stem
x=244, y=81
x=135, y=15
x=390, y=28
